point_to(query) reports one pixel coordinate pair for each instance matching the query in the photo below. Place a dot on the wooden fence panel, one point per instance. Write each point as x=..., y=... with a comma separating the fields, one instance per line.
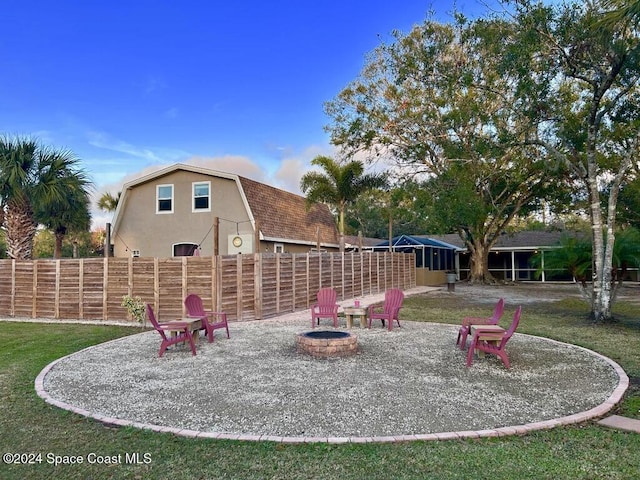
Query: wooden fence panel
x=246, y=308
x=7, y=292
x=170, y=289
x=23, y=304
x=313, y=280
x=247, y=287
x=229, y=285
x=142, y=280
x=285, y=280
x=270, y=286
x=117, y=286
x=92, y=289
x=69, y=283
x=301, y=290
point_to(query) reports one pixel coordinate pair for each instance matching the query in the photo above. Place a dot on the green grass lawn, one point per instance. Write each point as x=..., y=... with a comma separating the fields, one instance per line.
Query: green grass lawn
x=30, y=426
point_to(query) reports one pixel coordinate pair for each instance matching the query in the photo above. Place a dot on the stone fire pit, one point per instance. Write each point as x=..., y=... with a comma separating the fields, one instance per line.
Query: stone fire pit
x=327, y=343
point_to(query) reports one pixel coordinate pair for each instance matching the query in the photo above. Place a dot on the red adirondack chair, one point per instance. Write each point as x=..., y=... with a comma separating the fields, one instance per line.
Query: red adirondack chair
x=468, y=321
x=325, y=307
x=183, y=332
x=210, y=319
x=392, y=304
x=494, y=343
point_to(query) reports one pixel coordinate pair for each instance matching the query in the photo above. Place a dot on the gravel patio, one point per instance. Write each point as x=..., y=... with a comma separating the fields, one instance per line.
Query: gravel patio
x=410, y=383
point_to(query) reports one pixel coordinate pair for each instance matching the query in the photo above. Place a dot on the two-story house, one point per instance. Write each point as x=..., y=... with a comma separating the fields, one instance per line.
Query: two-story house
x=186, y=210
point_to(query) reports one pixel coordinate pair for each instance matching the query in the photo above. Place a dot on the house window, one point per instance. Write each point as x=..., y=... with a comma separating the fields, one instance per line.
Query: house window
x=184, y=249
x=278, y=248
x=164, y=199
x=201, y=194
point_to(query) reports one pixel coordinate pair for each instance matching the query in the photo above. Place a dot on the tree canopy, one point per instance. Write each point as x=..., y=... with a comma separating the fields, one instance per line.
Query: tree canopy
x=539, y=102
x=339, y=185
x=39, y=185
x=440, y=104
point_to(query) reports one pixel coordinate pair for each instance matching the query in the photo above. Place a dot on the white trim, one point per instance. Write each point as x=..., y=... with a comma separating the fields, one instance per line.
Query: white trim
x=193, y=196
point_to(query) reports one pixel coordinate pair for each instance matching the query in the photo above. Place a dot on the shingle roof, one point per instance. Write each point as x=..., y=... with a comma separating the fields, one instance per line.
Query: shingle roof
x=415, y=240
x=284, y=215
x=527, y=239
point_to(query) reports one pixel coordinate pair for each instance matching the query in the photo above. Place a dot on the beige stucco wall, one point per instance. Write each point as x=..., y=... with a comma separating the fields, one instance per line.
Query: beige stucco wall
x=430, y=277
x=154, y=234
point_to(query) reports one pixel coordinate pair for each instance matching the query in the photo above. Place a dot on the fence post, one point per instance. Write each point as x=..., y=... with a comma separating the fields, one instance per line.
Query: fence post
x=239, y=286
x=13, y=287
x=34, y=292
x=257, y=286
x=308, y=271
x=214, y=283
x=81, y=288
x=105, y=286
x=185, y=282
x=293, y=282
x=156, y=286
x=56, y=295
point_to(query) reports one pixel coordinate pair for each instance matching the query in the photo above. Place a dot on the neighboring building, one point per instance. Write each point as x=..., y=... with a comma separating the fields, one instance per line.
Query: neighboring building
x=173, y=212
x=433, y=257
x=509, y=258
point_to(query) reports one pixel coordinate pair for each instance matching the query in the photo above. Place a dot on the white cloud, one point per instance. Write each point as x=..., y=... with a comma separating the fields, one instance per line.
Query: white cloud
x=237, y=164
x=156, y=155
x=286, y=173
x=291, y=169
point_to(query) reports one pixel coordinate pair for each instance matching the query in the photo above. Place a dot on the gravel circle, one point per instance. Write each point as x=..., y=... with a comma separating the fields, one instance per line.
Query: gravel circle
x=409, y=381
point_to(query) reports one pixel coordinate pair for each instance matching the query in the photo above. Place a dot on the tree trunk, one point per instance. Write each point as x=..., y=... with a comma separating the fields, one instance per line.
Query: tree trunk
x=479, y=263
x=57, y=250
x=20, y=230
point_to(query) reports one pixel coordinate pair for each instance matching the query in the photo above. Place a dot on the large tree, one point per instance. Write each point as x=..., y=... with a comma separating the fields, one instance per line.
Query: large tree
x=438, y=102
x=587, y=104
x=399, y=211
x=35, y=181
x=338, y=185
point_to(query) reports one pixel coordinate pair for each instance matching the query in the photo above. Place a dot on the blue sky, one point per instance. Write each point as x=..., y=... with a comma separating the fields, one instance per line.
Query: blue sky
x=131, y=86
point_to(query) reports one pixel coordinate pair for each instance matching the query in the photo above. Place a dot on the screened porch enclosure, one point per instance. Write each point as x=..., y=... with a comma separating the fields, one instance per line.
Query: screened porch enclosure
x=433, y=257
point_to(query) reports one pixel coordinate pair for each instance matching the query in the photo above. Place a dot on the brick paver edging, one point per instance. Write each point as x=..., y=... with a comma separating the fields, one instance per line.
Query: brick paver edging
x=596, y=412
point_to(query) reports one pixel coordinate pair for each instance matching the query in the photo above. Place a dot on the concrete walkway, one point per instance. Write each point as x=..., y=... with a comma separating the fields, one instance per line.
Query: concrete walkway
x=621, y=423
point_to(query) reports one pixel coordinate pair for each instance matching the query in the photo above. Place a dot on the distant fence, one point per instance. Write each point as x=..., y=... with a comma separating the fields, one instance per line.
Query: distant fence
x=247, y=287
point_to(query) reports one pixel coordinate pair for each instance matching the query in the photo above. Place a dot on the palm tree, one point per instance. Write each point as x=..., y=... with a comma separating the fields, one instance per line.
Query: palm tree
x=339, y=186
x=109, y=203
x=572, y=254
x=575, y=255
x=68, y=216
x=36, y=183
x=621, y=11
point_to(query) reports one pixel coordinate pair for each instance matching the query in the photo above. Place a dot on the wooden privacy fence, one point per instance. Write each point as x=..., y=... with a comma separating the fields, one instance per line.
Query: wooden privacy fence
x=247, y=287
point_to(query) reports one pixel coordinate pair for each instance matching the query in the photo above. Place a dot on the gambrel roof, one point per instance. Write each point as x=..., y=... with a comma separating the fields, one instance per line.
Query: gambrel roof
x=281, y=216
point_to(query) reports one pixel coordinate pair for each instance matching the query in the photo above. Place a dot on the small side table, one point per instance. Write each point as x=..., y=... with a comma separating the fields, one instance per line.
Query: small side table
x=353, y=311
x=195, y=324
x=490, y=333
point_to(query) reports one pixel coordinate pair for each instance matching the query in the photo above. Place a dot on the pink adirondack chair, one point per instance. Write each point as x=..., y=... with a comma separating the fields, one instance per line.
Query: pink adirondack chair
x=468, y=321
x=210, y=319
x=325, y=307
x=390, y=310
x=494, y=343
x=183, y=332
